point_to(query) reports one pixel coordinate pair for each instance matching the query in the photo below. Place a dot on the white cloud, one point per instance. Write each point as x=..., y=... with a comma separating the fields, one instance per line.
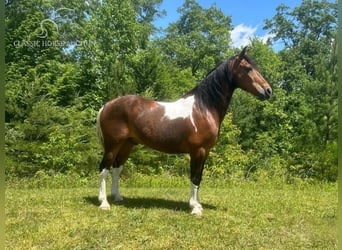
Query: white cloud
x=266, y=37
x=242, y=34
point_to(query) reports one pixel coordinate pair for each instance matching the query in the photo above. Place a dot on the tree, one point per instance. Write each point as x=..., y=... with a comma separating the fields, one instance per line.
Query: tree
x=60, y=69
x=265, y=128
x=119, y=31
x=308, y=33
x=308, y=28
x=65, y=58
x=52, y=139
x=38, y=65
x=199, y=40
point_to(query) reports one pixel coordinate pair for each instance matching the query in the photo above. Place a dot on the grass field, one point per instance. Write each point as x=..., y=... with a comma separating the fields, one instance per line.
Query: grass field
x=245, y=215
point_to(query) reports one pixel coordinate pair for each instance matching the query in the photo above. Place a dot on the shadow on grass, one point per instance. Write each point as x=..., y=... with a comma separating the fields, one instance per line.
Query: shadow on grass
x=147, y=203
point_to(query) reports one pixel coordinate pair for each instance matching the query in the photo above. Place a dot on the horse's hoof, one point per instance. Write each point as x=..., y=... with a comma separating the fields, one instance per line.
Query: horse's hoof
x=118, y=198
x=197, y=211
x=105, y=206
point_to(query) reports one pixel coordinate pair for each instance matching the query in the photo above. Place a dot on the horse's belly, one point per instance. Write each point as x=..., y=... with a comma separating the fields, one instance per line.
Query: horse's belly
x=167, y=136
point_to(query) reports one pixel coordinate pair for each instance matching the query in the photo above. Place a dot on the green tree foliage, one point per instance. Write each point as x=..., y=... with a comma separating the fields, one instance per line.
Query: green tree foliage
x=112, y=28
x=227, y=158
x=114, y=48
x=199, y=40
x=310, y=81
x=54, y=139
x=308, y=29
x=65, y=59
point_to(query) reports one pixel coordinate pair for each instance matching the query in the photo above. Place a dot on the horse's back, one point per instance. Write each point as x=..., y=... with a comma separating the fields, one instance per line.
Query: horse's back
x=122, y=107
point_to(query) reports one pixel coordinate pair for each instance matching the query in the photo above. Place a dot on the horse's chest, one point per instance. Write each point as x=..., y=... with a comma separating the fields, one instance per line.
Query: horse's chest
x=208, y=130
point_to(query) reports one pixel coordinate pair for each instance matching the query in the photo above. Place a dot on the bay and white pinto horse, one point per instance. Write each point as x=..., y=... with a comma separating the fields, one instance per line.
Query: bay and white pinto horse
x=189, y=125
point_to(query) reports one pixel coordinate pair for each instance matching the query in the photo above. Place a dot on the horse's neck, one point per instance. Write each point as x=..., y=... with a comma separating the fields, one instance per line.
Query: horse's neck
x=226, y=92
x=222, y=112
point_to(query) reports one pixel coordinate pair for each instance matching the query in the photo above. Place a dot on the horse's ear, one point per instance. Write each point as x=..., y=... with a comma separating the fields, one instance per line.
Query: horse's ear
x=244, y=51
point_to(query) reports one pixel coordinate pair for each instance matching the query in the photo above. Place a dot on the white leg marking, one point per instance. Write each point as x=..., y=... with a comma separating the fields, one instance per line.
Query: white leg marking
x=194, y=201
x=102, y=194
x=115, y=183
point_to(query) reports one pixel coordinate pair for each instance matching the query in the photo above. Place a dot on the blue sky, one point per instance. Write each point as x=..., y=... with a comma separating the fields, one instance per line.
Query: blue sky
x=247, y=15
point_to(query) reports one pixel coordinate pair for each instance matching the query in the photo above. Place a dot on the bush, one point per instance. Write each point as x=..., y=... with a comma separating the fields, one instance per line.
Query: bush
x=53, y=139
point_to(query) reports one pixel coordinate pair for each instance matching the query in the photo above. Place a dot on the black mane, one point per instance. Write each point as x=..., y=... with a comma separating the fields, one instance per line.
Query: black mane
x=216, y=89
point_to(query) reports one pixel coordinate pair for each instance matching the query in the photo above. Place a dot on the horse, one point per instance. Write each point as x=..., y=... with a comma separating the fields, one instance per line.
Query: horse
x=190, y=125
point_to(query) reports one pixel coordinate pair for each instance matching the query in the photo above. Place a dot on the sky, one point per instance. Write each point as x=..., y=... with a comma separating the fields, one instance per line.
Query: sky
x=247, y=16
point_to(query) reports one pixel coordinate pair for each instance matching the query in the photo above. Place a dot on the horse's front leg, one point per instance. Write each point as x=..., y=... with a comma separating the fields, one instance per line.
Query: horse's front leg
x=196, y=165
x=194, y=201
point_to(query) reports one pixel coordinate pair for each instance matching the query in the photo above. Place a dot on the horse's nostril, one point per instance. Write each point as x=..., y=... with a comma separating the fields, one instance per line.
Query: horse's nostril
x=269, y=91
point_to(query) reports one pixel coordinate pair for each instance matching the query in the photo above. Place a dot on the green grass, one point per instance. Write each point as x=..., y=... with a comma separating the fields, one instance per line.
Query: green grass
x=245, y=215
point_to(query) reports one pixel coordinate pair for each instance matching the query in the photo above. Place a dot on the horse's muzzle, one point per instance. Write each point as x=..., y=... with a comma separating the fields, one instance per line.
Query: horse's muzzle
x=266, y=94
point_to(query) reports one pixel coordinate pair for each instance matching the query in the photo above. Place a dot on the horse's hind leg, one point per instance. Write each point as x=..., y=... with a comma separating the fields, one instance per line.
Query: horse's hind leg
x=115, y=181
x=121, y=158
x=107, y=161
x=102, y=193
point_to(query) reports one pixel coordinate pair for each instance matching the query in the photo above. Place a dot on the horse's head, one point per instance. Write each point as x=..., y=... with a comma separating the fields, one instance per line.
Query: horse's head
x=247, y=77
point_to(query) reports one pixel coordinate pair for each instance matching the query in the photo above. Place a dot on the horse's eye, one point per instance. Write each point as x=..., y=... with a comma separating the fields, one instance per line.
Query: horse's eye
x=248, y=69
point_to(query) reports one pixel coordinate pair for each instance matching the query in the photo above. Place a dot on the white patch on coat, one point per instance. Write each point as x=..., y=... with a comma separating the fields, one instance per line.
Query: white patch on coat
x=179, y=109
